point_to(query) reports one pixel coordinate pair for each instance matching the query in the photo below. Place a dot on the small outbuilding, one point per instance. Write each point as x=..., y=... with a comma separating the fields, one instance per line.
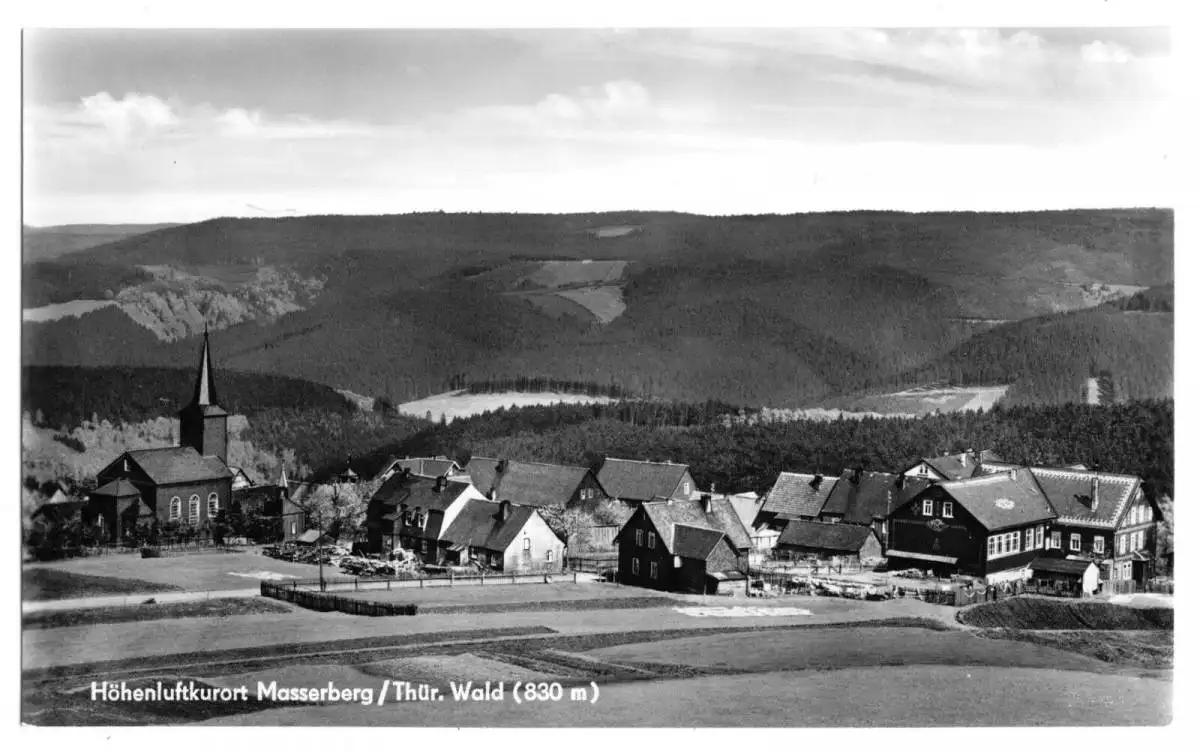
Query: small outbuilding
x=1066, y=575
x=845, y=542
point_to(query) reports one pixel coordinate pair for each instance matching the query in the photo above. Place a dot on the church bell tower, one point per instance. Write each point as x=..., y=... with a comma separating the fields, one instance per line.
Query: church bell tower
x=203, y=424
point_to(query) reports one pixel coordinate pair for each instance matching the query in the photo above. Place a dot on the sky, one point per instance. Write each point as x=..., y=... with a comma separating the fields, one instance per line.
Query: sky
x=179, y=126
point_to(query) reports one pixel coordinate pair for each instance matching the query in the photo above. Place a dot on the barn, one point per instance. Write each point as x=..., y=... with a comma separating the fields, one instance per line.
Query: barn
x=838, y=542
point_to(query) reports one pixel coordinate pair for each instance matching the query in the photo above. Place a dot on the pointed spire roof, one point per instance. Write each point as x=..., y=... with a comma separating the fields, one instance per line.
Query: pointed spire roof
x=205, y=394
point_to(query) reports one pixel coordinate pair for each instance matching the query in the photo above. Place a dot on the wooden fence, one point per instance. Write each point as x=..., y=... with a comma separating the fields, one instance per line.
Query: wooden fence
x=319, y=601
x=593, y=563
x=419, y=580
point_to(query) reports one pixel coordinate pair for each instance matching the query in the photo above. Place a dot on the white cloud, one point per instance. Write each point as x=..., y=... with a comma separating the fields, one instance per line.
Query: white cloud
x=135, y=115
x=1104, y=52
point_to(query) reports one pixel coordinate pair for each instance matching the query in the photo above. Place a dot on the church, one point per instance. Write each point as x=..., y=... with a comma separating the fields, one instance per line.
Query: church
x=179, y=487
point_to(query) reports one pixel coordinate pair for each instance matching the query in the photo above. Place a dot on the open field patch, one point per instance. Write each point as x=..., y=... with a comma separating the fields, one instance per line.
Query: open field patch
x=1146, y=649
x=129, y=573
x=919, y=402
x=213, y=609
x=1061, y=614
x=604, y=302
x=56, y=311
x=559, y=274
x=461, y=404
x=555, y=306
x=45, y=582
x=613, y=231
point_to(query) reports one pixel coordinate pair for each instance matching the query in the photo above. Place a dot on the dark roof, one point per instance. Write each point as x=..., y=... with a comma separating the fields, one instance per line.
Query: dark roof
x=416, y=491
x=836, y=537
x=204, y=396
x=667, y=514
x=535, y=484
x=178, y=465
x=117, y=488
x=479, y=525
x=1060, y=565
x=255, y=496
x=1001, y=500
x=639, y=481
x=438, y=466
x=695, y=543
x=1070, y=494
x=873, y=495
x=795, y=495
x=483, y=473
x=960, y=465
x=300, y=491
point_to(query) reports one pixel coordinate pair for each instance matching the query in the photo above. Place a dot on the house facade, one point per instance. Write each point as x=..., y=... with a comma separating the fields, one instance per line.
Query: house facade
x=536, y=484
x=838, y=543
x=866, y=498
x=990, y=527
x=692, y=546
x=413, y=512
x=504, y=537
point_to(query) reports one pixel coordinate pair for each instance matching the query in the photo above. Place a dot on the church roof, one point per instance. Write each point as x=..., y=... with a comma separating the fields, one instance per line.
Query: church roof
x=117, y=488
x=178, y=465
x=204, y=396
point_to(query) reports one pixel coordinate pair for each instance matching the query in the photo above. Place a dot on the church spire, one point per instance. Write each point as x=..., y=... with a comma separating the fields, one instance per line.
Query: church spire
x=206, y=391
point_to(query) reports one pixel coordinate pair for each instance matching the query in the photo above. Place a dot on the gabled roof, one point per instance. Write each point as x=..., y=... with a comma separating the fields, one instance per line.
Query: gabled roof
x=479, y=525
x=836, y=537
x=798, y=494
x=873, y=495
x=667, y=514
x=1070, y=494
x=117, y=488
x=960, y=465
x=178, y=465
x=746, y=505
x=435, y=466
x=483, y=473
x=1060, y=565
x=695, y=543
x=533, y=484
x=638, y=480
x=59, y=510
x=249, y=496
x=1001, y=500
x=300, y=491
x=421, y=492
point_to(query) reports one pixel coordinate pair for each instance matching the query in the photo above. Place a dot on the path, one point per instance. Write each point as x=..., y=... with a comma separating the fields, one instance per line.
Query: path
x=121, y=600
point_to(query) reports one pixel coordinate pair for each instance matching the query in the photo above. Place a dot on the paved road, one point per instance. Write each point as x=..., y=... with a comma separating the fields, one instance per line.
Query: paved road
x=72, y=645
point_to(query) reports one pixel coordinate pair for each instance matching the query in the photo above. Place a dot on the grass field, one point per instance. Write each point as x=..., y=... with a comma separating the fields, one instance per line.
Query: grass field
x=460, y=404
x=42, y=583
x=117, y=574
x=1148, y=649
x=474, y=595
x=213, y=609
x=1061, y=614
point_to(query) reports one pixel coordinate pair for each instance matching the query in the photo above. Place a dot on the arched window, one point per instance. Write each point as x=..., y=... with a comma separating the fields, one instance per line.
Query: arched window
x=194, y=508
x=176, y=510
x=214, y=505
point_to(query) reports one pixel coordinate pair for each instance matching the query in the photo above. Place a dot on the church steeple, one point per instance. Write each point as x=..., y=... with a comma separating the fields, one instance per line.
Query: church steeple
x=203, y=424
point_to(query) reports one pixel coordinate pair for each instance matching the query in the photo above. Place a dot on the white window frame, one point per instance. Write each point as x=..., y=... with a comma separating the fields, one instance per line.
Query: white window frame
x=654, y=570
x=1040, y=538
x=637, y=537
x=1076, y=542
x=927, y=508
x=550, y=554
x=1098, y=544
x=528, y=544
x=687, y=488
x=992, y=546
x=1028, y=539
x=651, y=539
x=175, y=510
x=1123, y=544
x=636, y=567
x=1056, y=539
x=947, y=509
x=214, y=504
x=194, y=509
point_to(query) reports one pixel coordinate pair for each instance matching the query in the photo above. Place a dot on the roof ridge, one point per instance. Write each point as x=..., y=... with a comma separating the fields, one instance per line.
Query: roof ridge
x=552, y=465
x=647, y=462
x=1084, y=474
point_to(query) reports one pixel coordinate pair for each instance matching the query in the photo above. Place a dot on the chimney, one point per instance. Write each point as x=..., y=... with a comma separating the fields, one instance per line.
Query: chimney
x=900, y=479
x=1095, y=492
x=706, y=500
x=505, y=509
x=816, y=481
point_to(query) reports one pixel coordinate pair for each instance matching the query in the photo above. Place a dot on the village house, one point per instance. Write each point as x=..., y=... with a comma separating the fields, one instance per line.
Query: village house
x=536, y=484
x=794, y=496
x=284, y=520
x=955, y=466
x=865, y=498
x=991, y=527
x=414, y=512
x=693, y=546
x=1069, y=577
x=175, y=486
x=377, y=469
x=834, y=543
x=502, y=536
x=636, y=481
x=1105, y=517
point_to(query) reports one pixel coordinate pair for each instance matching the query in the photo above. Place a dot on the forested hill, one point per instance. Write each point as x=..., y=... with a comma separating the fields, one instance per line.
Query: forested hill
x=58, y=396
x=1136, y=437
x=767, y=310
x=1047, y=359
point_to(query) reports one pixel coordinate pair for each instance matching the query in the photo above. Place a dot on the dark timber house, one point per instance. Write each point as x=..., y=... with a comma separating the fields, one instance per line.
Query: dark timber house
x=185, y=486
x=794, y=496
x=989, y=526
x=865, y=498
x=414, y=512
x=693, y=546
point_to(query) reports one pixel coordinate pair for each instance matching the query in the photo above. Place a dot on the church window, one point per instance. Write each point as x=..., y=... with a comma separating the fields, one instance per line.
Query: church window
x=194, y=508
x=176, y=510
x=214, y=505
